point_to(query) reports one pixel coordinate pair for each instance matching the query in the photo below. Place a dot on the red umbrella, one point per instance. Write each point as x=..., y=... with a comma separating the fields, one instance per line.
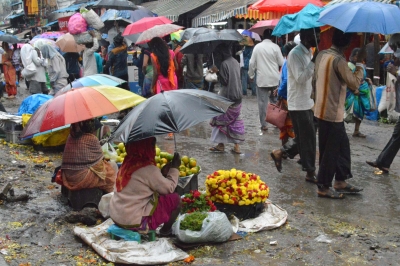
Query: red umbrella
x=144, y=24
x=260, y=26
x=287, y=6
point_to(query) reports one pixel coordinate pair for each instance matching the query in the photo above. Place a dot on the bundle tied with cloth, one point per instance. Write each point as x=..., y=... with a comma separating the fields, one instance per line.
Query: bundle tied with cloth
x=80, y=25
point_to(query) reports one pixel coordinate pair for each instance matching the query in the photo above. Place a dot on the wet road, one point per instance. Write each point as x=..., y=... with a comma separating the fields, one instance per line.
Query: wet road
x=364, y=229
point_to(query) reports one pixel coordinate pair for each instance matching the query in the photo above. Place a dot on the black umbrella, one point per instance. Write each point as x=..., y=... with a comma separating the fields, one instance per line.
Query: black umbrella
x=188, y=33
x=9, y=38
x=170, y=111
x=205, y=42
x=115, y=4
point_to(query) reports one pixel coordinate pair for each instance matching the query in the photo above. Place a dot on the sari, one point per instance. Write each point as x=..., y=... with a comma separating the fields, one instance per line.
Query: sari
x=360, y=103
x=165, y=83
x=228, y=127
x=9, y=74
x=287, y=131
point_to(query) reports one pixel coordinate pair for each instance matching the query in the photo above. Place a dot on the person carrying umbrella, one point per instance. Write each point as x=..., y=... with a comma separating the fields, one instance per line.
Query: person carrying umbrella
x=192, y=70
x=117, y=59
x=143, y=198
x=228, y=127
x=9, y=71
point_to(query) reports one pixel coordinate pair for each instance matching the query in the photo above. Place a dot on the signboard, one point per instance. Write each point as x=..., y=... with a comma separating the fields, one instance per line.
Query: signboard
x=63, y=23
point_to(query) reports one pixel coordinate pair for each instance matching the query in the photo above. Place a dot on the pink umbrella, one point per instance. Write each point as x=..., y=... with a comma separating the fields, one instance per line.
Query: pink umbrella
x=260, y=26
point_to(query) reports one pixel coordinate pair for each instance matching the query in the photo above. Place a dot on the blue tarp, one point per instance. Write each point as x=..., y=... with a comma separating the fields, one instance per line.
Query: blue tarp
x=31, y=103
x=375, y=114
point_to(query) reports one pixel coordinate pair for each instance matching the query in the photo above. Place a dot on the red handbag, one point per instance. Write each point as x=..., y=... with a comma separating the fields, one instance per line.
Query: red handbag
x=276, y=115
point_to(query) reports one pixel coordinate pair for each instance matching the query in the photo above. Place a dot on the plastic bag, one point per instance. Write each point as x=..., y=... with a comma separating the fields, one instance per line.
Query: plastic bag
x=216, y=228
x=85, y=37
x=372, y=98
x=29, y=71
x=125, y=234
x=77, y=24
x=109, y=152
x=348, y=114
x=104, y=204
x=211, y=77
x=92, y=19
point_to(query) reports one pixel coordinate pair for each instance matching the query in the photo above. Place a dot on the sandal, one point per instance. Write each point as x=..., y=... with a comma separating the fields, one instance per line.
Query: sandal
x=374, y=164
x=235, y=151
x=312, y=179
x=278, y=162
x=349, y=189
x=359, y=135
x=264, y=128
x=216, y=149
x=331, y=194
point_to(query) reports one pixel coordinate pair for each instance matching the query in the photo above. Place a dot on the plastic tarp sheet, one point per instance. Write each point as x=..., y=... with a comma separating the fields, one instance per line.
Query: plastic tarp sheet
x=272, y=217
x=30, y=104
x=161, y=251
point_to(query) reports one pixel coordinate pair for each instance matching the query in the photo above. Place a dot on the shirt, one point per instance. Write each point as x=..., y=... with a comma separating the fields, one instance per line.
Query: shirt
x=332, y=77
x=300, y=72
x=282, y=89
x=266, y=59
x=89, y=59
x=229, y=77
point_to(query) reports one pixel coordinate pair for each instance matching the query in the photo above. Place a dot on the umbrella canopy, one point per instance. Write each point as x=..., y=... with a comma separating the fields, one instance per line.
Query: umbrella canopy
x=306, y=18
x=132, y=15
x=67, y=44
x=251, y=34
x=145, y=23
x=386, y=49
x=116, y=22
x=157, y=31
x=170, y=111
x=115, y=4
x=188, y=33
x=51, y=34
x=8, y=38
x=176, y=36
x=363, y=17
x=287, y=6
x=260, y=26
x=205, y=43
x=2, y=32
x=92, y=80
x=39, y=42
x=78, y=105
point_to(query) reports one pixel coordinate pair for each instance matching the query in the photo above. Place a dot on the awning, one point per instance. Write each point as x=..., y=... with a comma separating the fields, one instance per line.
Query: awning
x=344, y=1
x=15, y=16
x=172, y=9
x=18, y=3
x=51, y=23
x=74, y=8
x=255, y=14
x=221, y=10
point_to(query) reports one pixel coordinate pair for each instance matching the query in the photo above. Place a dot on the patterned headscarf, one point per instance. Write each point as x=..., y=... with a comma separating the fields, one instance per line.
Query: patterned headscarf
x=139, y=154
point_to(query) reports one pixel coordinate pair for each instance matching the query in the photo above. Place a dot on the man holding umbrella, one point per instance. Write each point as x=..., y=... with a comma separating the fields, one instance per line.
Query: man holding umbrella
x=332, y=78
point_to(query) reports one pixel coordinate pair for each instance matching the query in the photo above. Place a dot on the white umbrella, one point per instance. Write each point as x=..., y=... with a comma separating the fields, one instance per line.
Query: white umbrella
x=157, y=31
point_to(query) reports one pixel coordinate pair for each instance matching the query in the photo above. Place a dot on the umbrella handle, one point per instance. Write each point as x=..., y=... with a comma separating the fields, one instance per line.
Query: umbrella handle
x=316, y=42
x=174, y=141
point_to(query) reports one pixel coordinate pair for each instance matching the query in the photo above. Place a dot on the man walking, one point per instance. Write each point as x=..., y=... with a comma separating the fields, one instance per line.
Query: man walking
x=266, y=60
x=300, y=67
x=332, y=77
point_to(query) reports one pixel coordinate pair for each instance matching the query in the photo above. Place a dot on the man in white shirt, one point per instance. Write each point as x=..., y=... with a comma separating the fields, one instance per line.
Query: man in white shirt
x=300, y=64
x=266, y=60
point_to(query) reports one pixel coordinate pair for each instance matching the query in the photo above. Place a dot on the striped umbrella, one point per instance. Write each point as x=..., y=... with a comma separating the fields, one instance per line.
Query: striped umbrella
x=78, y=105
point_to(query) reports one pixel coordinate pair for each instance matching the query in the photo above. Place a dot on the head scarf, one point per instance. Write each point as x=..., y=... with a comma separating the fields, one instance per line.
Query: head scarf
x=80, y=128
x=118, y=39
x=26, y=54
x=48, y=51
x=138, y=154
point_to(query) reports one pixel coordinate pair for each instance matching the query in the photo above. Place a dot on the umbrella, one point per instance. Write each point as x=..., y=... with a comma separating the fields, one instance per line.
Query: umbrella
x=2, y=32
x=260, y=26
x=116, y=22
x=157, y=31
x=363, y=17
x=51, y=34
x=188, y=33
x=115, y=4
x=8, y=38
x=78, y=105
x=286, y=6
x=306, y=18
x=37, y=43
x=132, y=15
x=170, y=111
x=386, y=49
x=176, y=36
x=251, y=34
x=145, y=23
x=67, y=44
x=92, y=80
x=205, y=43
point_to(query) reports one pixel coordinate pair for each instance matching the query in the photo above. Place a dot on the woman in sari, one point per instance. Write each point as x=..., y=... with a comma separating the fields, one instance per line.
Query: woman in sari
x=228, y=127
x=143, y=198
x=83, y=164
x=360, y=103
x=9, y=71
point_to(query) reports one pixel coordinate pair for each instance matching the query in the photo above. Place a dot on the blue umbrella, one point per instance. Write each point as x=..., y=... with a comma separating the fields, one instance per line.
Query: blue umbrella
x=2, y=32
x=306, y=18
x=363, y=17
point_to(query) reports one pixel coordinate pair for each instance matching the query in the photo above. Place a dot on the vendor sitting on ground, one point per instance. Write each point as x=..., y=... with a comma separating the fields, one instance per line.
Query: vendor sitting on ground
x=83, y=165
x=143, y=198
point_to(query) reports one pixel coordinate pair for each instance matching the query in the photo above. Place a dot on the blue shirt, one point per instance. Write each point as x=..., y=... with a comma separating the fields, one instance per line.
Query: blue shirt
x=282, y=90
x=247, y=52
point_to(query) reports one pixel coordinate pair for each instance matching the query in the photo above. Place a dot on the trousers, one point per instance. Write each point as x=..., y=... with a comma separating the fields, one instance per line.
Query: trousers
x=263, y=99
x=334, y=153
x=304, y=142
x=391, y=149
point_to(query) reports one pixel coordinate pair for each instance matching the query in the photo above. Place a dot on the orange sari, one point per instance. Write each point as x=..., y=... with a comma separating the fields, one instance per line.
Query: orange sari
x=9, y=74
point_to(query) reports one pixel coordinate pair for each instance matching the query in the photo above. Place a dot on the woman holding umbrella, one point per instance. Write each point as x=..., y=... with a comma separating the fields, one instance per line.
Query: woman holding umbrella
x=9, y=71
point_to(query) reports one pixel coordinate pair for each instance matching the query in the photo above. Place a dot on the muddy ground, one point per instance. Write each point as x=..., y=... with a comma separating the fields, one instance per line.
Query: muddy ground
x=362, y=229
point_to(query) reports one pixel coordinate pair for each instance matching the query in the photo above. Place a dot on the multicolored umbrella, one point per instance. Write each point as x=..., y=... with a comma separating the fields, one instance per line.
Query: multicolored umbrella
x=92, y=80
x=67, y=44
x=78, y=105
x=157, y=31
x=52, y=34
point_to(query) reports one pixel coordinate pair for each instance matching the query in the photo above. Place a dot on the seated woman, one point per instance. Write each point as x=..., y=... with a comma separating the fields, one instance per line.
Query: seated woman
x=83, y=164
x=143, y=198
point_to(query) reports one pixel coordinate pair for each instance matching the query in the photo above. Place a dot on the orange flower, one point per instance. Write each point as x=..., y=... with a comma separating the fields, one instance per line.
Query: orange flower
x=189, y=259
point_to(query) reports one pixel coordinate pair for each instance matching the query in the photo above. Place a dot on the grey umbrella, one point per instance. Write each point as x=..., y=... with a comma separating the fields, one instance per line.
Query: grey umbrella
x=188, y=33
x=9, y=38
x=116, y=4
